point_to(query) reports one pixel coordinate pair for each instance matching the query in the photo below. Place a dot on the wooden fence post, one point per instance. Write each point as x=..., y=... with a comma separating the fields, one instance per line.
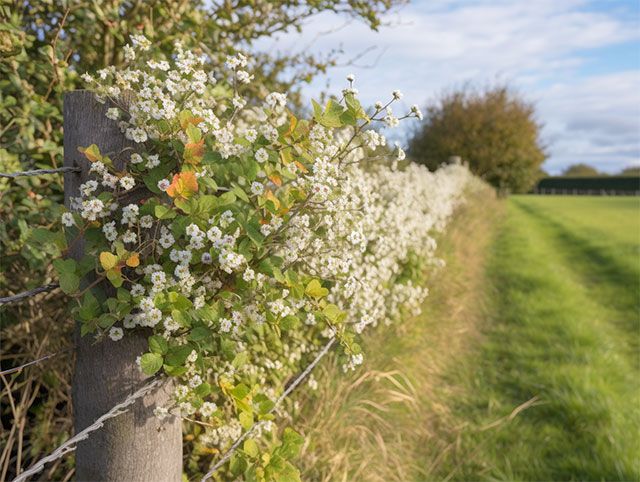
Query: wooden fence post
x=135, y=446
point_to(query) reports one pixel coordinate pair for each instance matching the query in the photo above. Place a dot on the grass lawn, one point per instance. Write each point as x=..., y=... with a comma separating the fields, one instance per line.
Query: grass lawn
x=553, y=390
x=524, y=365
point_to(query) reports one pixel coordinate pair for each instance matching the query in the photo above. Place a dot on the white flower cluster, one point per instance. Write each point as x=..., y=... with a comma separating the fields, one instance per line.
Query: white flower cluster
x=339, y=214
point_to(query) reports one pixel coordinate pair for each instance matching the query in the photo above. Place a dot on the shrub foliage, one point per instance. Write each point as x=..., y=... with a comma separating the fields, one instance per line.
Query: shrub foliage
x=493, y=130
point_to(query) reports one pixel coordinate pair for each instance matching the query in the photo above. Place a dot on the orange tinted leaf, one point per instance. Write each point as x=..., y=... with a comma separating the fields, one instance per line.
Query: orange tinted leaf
x=209, y=450
x=293, y=122
x=183, y=186
x=92, y=153
x=193, y=152
x=186, y=118
x=269, y=196
x=133, y=261
x=274, y=178
x=301, y=167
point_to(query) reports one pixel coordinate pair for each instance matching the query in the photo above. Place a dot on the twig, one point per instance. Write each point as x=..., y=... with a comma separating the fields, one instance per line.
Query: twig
x=27, y=294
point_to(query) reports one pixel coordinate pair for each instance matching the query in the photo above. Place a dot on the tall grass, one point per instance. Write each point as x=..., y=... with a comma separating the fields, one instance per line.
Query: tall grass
x=381, y=424
x=523, y=366
x=560, y=344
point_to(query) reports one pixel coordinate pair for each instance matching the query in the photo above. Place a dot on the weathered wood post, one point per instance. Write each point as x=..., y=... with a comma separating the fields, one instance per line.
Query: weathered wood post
x=134, y=446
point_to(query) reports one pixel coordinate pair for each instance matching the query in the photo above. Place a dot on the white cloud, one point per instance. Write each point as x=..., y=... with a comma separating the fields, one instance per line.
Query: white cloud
x=540, y=46
x=596, y=120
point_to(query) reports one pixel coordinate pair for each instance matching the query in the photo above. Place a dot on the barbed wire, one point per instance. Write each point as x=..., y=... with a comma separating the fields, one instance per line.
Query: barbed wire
x=38, y=172
x=71, y=444
x=22, y=367
x=284, y=395
x=27, y=294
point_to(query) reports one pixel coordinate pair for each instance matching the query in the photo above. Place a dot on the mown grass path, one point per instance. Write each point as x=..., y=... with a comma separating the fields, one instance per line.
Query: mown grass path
x=553, y=390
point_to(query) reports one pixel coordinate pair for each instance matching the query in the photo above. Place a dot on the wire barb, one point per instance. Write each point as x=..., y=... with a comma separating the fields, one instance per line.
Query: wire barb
x=284, y=395
x=70, y=445
x=29, y=293
x=38, y=172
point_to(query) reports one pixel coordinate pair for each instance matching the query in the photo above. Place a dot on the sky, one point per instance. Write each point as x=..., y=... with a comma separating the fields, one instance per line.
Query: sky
x=578, y=61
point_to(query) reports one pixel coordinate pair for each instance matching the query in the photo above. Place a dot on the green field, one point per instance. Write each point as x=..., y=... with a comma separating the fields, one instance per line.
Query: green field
x=553, y=390
x=523, y=366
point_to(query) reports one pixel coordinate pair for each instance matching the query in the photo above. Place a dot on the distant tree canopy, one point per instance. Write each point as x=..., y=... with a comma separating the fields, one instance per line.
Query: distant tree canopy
x=493, y=129
x=45, y=46
x=630, y=171
x=581, y=170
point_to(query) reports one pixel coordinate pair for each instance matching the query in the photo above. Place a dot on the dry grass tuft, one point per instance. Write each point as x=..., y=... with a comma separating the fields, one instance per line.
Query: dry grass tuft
x=35, y=403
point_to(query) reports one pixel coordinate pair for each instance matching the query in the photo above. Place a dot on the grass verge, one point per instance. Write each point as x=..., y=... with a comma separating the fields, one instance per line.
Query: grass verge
x=381, y=423
x=523, y=366
x=552, y=393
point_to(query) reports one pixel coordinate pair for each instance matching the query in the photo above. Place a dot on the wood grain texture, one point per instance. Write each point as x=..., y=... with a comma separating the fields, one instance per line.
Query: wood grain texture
x=135, y=446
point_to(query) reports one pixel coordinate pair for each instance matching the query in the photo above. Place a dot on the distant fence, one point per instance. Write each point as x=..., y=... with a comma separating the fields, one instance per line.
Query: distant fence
x=594, y=186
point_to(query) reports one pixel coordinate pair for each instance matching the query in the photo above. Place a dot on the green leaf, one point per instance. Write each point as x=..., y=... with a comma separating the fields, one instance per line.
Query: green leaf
x=90, y=308
x=355, y=108
x=185, y=206
x=277, y=274
x=123, y=295
x=107, y=320
x=108, y=260
x=289, y=322
x=315, y=289
x=179, y=302
x=69, y=280
x=47, y=238
x=240, y=359
x=291, y=443
x=265, y=406
x=205, y=204
x=227, y=198
x=317, y=109
x=331, y=115
x=150, y=363
x=193, y=133
x=238, y=191
x=203, y=390
x=334, y=313
x=246, y=420
x=115, y=276
x=175, y=371
x=348, y=118
x=251, y=448
x=163, y=212
x=240, y=391
x=253, y=231
x=238, y=464
x=177, y=355
x=152, y=177
x=158, y=344
x=200, y=333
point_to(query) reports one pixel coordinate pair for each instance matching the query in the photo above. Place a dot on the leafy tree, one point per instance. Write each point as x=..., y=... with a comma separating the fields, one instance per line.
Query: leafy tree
x=581, y=170
x=630, y=171
x=46, y=45
x=494, y=130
